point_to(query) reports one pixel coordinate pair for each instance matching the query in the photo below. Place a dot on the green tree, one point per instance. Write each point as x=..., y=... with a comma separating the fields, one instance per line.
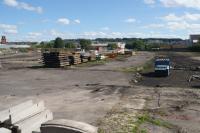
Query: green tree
x=59, y=43
x=112, y=46
x=137, y=44
x=85, y=44
x=49, y=45
x=70, y=45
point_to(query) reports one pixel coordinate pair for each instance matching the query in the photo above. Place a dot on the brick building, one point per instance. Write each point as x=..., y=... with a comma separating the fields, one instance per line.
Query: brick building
x=3, y=40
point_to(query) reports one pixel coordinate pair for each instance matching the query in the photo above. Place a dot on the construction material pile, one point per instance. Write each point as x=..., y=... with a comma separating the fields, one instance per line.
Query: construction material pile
x=85, y=59
x=62, y=59
x=75, y=58
x=24, y=118
x=56, y=59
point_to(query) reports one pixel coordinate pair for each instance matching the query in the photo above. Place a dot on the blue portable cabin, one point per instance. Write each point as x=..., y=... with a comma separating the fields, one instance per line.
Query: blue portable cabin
x=162, y=67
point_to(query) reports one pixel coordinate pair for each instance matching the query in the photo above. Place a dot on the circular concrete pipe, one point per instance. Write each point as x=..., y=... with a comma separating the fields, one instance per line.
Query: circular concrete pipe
x=67, y=126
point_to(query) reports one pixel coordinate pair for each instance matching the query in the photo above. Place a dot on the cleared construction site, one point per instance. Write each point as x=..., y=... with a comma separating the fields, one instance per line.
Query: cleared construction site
x=53, y=92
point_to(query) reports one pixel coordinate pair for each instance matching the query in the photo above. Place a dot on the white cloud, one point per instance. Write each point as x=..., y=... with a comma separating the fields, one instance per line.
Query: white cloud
x=63, y=21
x=34, y=36
x=12, y=3
x=183, y=26
x=9, y=29
x=171, y=17
x=176, y=26
x=154, y=26
x=130, y=20
x=181, y=3
x=77, y=21
x=56, y=33
x=93, y=35
x=149, y=1
x=105, y=28
x=185, y=17
x=23, y=5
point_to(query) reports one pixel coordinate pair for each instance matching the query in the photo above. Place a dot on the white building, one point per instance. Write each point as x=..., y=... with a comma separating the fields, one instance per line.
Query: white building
x=194, y=38
x=121, y=47
x=6, y=46
x=103, y=47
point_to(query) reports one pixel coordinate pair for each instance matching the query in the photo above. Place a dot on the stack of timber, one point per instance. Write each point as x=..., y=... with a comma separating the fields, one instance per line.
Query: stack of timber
x=75, y=58
x=111, y=55
x=24, y=118
x=85, y=59
x=92, y=58
x=56, y=59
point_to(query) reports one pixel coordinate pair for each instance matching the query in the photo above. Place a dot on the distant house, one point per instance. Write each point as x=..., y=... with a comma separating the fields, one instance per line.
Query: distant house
x=103, y=47
x=121, y=47
x=194, y=38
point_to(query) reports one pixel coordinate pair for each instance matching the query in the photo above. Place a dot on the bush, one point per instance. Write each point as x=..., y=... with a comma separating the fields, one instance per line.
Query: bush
x=195, y=48
x=112, y=46
x=70, y=45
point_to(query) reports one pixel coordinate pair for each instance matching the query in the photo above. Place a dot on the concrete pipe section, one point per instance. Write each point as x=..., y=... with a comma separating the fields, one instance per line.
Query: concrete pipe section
x=4, y=130
x=67, y=126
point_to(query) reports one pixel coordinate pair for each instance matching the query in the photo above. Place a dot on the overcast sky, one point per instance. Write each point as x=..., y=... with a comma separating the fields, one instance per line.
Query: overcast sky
x=37, y=20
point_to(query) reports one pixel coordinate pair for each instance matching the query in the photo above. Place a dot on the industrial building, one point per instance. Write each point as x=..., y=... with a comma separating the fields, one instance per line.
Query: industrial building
x=194, y=38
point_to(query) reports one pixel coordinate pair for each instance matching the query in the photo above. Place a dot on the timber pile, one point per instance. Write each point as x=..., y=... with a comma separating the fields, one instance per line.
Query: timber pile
x=85, y=59
x=75, y=58
x=92, y=58
x=56, y=59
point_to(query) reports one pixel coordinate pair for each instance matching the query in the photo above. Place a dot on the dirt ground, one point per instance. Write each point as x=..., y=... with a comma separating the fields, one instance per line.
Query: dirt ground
x=182, y=64
x=179, y=100
x=78, y=94
x=105, y=97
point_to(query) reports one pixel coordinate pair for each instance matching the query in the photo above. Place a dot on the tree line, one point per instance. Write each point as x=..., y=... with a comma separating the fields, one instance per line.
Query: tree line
x=60, y=43
x=134, y=44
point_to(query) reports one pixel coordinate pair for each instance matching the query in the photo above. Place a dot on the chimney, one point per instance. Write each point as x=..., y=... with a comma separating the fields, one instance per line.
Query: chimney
x=3, y=40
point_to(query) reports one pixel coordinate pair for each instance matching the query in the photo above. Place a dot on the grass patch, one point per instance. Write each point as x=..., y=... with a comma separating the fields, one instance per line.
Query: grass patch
x=146, y=118
x=131, y=69
x=157, y=122
x=121, y=58
x=93, y=63
x=188, y=53
x=147, y=67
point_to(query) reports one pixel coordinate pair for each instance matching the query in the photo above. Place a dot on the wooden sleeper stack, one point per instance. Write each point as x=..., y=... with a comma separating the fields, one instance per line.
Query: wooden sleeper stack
x=56, y=59
x=75, y=58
